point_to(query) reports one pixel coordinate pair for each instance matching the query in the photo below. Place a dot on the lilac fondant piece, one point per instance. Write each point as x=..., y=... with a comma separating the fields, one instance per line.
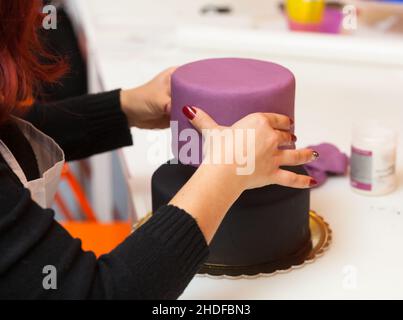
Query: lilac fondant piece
x=228, y=89
x=319, y=175
x=331, y=161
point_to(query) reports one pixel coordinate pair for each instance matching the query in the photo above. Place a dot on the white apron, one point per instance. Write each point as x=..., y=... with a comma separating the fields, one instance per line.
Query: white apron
x=50, y=159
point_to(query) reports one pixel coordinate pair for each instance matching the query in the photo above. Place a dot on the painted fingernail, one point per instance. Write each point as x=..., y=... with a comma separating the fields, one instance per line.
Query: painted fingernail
x=315, y=155
x=312, y=182
x=291, y=122
x=293, y=137
x=189, y=112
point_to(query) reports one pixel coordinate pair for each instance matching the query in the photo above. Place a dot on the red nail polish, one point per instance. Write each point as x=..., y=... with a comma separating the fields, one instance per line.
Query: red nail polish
x=291, y=122
x=312, y=182
x=293, y=137
x=189, y=112
x=315, y=155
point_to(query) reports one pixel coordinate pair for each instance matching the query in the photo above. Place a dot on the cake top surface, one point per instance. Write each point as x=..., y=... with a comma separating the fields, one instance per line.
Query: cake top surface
x=233, y=75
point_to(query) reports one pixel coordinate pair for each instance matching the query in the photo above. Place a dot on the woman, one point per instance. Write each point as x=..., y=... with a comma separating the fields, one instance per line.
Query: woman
x=157, y=261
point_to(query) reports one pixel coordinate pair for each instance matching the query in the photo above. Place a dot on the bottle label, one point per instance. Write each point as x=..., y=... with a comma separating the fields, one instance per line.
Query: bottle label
x=361, y=169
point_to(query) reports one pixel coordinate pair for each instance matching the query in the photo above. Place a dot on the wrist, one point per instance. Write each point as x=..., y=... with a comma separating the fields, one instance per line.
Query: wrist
x=208, y=195
x=124, y=99
x=226, y=175
x=130, y=102
x=124, y=103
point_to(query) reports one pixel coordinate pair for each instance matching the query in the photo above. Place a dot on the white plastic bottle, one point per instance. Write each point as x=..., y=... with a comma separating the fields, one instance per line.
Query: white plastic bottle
x=373, y=159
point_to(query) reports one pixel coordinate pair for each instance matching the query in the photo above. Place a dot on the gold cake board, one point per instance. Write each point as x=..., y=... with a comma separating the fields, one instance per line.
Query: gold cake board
x=321, y=237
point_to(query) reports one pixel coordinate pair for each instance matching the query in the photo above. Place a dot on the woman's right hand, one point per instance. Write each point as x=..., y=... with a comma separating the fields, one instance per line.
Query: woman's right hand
x=214, y=187
x=270, y=131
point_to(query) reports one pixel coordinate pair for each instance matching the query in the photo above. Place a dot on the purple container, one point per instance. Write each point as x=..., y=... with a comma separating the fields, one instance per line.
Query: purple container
x=331, y=23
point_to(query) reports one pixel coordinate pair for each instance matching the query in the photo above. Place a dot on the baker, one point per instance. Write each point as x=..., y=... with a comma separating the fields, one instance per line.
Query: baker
x=161, y=257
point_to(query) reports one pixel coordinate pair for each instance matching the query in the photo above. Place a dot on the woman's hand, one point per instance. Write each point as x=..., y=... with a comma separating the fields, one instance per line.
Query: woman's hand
x=149, y=106
x=270, y=132
x=214, y=187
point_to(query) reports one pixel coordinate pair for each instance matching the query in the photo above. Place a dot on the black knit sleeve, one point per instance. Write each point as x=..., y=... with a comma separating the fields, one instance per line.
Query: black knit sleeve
x=85, y=125
x=155, y=262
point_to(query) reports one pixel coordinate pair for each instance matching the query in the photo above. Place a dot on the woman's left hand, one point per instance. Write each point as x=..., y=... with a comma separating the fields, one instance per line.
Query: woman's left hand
x=149, y=106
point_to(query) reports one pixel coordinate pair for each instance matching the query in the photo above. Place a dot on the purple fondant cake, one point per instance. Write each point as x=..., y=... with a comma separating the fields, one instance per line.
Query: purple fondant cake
x=229, y=89
x=266, y=229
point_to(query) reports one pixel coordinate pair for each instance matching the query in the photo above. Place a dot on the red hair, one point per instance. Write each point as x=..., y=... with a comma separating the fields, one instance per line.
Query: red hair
x=21, y=56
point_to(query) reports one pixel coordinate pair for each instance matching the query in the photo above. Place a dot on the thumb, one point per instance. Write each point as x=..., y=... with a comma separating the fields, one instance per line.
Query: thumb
x=198, y=118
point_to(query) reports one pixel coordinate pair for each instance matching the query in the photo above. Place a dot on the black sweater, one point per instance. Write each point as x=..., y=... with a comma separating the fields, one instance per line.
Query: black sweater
x=155, y=262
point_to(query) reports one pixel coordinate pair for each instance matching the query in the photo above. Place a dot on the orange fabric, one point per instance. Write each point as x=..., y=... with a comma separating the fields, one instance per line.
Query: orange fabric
x=100, y=238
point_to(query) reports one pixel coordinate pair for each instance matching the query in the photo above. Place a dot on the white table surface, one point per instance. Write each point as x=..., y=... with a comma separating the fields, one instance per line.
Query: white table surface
x=339, y=80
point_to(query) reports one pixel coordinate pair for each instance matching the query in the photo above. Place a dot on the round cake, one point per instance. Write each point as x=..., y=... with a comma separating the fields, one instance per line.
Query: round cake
x=266, y=229
x=228, y=89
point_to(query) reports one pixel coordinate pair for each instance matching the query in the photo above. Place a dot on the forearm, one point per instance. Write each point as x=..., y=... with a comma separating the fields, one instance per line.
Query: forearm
x=208, y=195
x=155, y=262
x=84, y=126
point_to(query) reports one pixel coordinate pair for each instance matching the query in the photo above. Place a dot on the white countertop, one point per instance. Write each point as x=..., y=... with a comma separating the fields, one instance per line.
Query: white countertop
x=339, y=80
